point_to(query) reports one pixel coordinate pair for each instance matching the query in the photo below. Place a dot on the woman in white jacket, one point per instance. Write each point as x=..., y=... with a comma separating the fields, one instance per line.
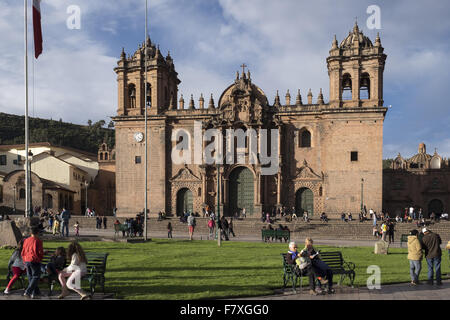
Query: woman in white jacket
x=74, y=272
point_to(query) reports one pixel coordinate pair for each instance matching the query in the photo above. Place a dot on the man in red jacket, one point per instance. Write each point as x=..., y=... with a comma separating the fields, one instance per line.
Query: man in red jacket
x=32, y=254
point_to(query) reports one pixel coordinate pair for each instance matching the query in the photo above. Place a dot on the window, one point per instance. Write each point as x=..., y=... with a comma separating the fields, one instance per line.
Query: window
x=3, y=160
x=137, y=159
x=305, y=139
x=354, y=156
x=22, y=193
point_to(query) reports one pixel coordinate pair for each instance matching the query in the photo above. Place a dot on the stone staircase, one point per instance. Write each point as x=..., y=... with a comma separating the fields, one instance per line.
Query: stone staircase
x=251, y=227
x=334, y=229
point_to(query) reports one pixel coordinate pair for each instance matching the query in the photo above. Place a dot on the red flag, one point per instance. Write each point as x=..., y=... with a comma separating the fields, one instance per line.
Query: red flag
x=37, y=28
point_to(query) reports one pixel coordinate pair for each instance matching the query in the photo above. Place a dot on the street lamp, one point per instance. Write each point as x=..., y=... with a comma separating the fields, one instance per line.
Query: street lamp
x=218, y=205
x=30, y=205
x=15, y=190
x=86, y=184
x=362, y=195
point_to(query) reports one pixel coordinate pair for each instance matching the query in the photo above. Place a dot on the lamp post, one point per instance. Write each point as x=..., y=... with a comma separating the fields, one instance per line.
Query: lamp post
x=362, y=195
x=30, y=198
x=86, y=195
x=147, y=103
x=218, y=205
x=15, y=190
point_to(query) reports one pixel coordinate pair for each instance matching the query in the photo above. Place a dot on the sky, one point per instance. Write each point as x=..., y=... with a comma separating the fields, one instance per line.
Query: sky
x=284, y=43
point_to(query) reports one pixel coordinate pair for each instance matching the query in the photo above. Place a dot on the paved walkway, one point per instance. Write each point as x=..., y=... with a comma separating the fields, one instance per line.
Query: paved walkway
x=109, y=234
x=18, y=295
x=402, y=291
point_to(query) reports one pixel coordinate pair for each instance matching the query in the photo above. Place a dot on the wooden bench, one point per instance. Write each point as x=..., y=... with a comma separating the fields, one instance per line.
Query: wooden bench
x=96, y=268
x=275, y=234
x=403, y=238
x=339, y=266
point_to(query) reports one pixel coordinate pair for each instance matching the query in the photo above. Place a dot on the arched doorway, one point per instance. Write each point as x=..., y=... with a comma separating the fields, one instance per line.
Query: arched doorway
x=184, y=201
x=304, y=200
x=435, y=206
x=241, y=191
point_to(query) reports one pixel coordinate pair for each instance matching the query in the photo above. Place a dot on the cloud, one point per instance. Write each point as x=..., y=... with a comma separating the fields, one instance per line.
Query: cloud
x=284, y=43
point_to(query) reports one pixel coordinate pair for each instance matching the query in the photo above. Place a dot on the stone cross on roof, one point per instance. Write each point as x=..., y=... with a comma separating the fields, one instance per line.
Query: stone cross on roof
x=243, y=66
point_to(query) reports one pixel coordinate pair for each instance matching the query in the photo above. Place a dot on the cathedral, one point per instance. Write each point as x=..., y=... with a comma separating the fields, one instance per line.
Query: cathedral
x=329, y=154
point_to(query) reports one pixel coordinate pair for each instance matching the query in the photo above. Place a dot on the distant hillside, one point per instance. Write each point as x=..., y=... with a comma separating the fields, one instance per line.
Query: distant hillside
x=87, y=138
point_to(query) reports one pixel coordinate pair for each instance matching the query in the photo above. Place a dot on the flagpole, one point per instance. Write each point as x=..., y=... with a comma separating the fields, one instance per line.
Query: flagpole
x=27, y=173
x=145, y=116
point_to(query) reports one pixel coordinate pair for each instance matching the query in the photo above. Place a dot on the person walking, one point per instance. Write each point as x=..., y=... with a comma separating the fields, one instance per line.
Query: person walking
x=169, y=230
x=98, y=222
x=391, y=231
x=104, y=222
x=230, y=228
x=65, y=217
x=225, y=228
x=414, y=256
x=32, y=254
x=211, y=227
x=431, y=242
x=16, y=266
x=191, y=225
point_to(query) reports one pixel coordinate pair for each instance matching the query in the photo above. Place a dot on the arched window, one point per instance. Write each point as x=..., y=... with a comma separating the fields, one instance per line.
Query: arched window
x=364, y=86
x=131, y=96
x=305, y=139
x=106, y=155
x=346, y=87
x=101, y=155
x=22, y=193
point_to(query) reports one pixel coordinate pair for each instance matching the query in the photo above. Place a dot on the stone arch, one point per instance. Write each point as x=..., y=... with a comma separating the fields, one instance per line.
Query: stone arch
x=364, y=86
x=304, y=201
x=346, y=87
x=316, y=186
x=184, y=201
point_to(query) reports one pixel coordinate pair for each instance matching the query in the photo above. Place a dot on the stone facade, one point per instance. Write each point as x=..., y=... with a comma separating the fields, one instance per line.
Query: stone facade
x=330, y=154
x=422, y=181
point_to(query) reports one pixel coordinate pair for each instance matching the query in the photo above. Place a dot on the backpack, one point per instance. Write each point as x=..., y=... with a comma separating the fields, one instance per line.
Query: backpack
x=210, y=223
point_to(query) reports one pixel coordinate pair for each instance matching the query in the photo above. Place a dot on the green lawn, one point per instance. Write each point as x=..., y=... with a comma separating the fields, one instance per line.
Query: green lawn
x=176, y=269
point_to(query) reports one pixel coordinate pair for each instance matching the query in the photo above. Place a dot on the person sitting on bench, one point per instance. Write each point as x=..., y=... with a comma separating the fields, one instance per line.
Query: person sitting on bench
x=302, y=267
x=321, y=269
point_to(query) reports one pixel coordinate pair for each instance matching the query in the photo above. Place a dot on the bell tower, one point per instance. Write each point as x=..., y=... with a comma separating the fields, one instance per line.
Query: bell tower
x=355, y=68
x=162, y=81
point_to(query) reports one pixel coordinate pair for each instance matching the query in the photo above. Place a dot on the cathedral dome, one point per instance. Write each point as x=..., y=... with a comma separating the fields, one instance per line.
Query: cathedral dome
x=364, y=42
x=421, y=159
x=243, y=87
